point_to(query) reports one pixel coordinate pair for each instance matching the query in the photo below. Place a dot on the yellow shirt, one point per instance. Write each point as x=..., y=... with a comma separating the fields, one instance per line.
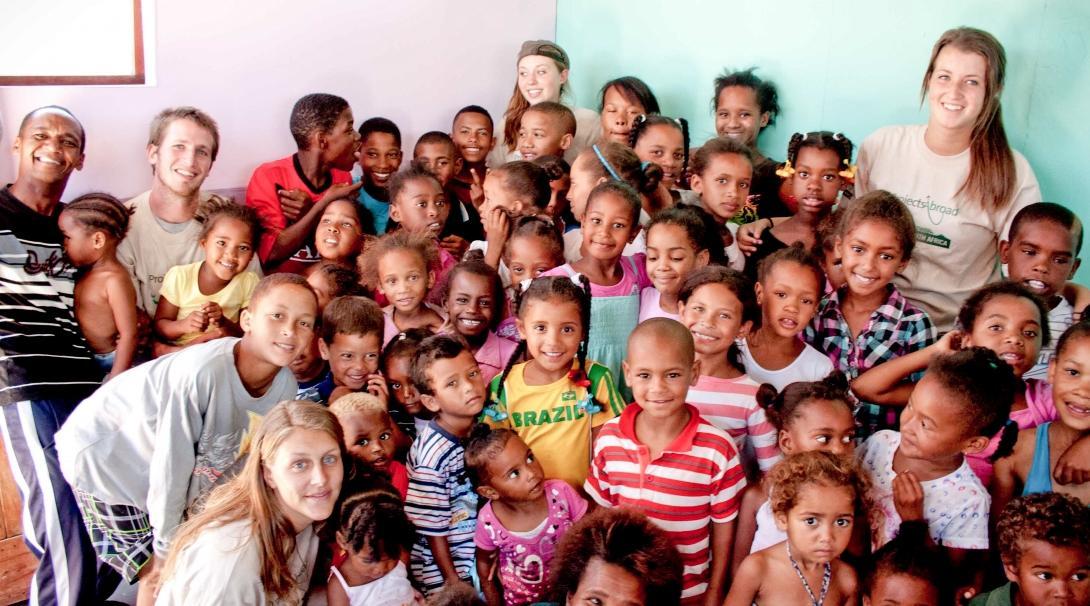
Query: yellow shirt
x=552, y=423
x=180, y=288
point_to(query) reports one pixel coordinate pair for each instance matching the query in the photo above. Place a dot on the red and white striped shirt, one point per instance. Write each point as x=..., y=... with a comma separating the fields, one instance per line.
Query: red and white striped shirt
x=731, y=405
x=696, y=481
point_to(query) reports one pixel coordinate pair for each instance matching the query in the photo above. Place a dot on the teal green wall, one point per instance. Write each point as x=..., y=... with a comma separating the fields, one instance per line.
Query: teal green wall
x=848, y=65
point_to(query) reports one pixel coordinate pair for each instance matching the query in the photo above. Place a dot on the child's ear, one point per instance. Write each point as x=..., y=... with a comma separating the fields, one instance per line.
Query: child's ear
x=837, y=242
x=516, y=208
x=487, y=492
x=696, y=184
x=765, y=117
x=743, y=330
x=244, y=319
x=323, y=349
x=565, y=141
x=975, y=445
x=781, y=521
x=626, y=371
x=1074, y=267
x=1011, y=571
x=759, y=292
x=522, y=329
x=395, y=212
x=431, y=279
x=702, y=258
x=430, y=402
x=785, y=443
x=98, y=239
x=459, y=162
x=1004, y=252
x=696, y=372
x=1052, y=371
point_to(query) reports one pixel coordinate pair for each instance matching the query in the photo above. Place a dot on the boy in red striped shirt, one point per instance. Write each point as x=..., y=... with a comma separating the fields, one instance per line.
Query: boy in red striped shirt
x=662, y=458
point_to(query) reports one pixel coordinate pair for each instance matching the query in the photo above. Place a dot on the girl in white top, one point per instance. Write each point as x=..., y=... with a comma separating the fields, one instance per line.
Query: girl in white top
x=255, y=542
x=374, y=533
x=542, y=76
x=789, y=285
x=808, y=416
x=957, y=174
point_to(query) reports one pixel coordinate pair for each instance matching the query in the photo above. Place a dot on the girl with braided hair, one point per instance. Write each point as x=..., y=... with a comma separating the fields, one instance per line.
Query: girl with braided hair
x=664, y=141
x=557, y=400
x=93, y=224
x=818, y=168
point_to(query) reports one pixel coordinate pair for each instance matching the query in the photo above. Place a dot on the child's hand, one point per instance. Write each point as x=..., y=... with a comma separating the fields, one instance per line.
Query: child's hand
x=212, y=312
x=196, y=321
x=455, y=245
x=294, y=203
x=749, y=235
x=1072, y=467
x=376, y=386
x=496, y=224
x=908, y=496
x=476, y=190
x=341, y=190
x=948, y=343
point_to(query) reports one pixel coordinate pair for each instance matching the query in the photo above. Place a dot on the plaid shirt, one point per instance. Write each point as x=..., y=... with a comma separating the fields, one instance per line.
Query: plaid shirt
x=896, y=328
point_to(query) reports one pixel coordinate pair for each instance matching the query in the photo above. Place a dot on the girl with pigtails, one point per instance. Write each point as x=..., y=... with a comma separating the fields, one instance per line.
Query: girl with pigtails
x=558, y=399
x=665, y=142
x=818, y=169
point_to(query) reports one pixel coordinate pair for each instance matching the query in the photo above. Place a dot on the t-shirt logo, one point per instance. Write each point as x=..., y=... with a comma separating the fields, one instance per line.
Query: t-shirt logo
x=53, y=266
x=568, y=396
x=929, y=237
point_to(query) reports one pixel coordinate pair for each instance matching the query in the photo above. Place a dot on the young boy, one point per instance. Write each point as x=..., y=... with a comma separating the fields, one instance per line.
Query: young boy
x=1044, y=542
x=1042, y=255
x=369, y=435
x=547, y=129
x=662, y=458
x=144, y=446
x=351, y=341
x=380, y=157
x=867, y=321
x=441, y=501
x=472, y=136
x=436, y=153
x=290, y=194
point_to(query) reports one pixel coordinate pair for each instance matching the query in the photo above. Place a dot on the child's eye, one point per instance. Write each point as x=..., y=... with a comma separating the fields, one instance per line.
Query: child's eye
x=347, y=356
x=886, y=257
x=643, y=375
x=780, y=294
x=394, y=385
x=673, y=375
x=743, y=185
x=451, y=383
x=363, y=442
x=843, y=522
x=1044, y=576
x=995, y=327
x=1079, y=576
x=529, y=457
x=384, y=436
x=1032, y=334
x=1071, y=372
x=807, y=301
x=822, y=439
x=803, y=174
x=657, y=153
x=514, y=474
x=811, y=521
x=829, y=178
x=619, y=226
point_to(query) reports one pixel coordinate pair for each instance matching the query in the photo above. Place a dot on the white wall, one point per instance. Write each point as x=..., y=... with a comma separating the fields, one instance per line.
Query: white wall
x=246, y=62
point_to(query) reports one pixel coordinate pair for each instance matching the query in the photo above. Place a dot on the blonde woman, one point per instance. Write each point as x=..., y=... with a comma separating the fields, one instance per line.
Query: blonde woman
x=255, y=541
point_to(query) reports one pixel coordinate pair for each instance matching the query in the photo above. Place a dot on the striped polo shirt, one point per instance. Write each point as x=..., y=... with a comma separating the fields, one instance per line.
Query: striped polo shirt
x=697, y=480
x=42, y=352
x=731, y=405
x=441, y=503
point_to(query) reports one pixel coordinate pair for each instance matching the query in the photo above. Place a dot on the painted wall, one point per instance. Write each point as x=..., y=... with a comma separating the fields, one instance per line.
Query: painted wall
x=246, y=62
x=848, y=65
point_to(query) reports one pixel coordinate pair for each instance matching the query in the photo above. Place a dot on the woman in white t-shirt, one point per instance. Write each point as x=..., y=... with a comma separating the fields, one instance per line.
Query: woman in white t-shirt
x=542, y=76
x=957, y=174
x=255, y=541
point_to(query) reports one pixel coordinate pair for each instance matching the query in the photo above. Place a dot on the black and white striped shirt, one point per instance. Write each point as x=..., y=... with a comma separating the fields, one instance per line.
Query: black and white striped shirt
x=42, y=353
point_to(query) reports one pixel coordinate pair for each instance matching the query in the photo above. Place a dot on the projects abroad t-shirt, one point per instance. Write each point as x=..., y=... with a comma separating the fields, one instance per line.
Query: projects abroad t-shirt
x=958, y=238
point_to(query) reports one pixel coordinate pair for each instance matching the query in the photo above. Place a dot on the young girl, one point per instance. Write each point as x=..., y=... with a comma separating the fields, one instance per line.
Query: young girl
x=721, y=173
x=473, y=295
x=610, y=162
x=869, y=321
x=513, y=190
x=255, y=540
x=374, y=532
x=818, y=167
x=535, y=247
x=806, y=417
x=92, y=225
x=201, y=301
x=718, y=306
x=339, y=235
x=609, y=223
x=677, y=244
x=1006, y=318
x=816, y=498
x=557, y=400
x=526, y=515
x=1030, y=468
x=788, y=289
x=907, y=570
x=664, y=141
x=401, y=267
x=921, y=473
x=406, y=409
x=559, y=173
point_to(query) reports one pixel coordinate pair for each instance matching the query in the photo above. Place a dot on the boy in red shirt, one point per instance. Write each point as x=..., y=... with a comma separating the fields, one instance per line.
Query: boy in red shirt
x=290, y=194
x=662, y=458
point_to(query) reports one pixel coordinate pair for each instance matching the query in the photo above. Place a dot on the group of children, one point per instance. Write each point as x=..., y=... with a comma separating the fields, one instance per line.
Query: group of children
x=511, y=346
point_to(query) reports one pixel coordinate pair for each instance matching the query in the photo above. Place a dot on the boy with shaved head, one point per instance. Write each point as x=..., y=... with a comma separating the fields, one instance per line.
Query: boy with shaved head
x=671, y=445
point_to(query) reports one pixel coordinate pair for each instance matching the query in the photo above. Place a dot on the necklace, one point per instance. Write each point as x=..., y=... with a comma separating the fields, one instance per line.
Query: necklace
x=820, y=600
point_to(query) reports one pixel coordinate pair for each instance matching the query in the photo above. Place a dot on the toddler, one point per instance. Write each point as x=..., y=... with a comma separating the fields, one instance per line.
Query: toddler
x=93, y=225
x=908, y=570
x=816, y=498
x=373, y=532
x=202, y=301
x=526, y=515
